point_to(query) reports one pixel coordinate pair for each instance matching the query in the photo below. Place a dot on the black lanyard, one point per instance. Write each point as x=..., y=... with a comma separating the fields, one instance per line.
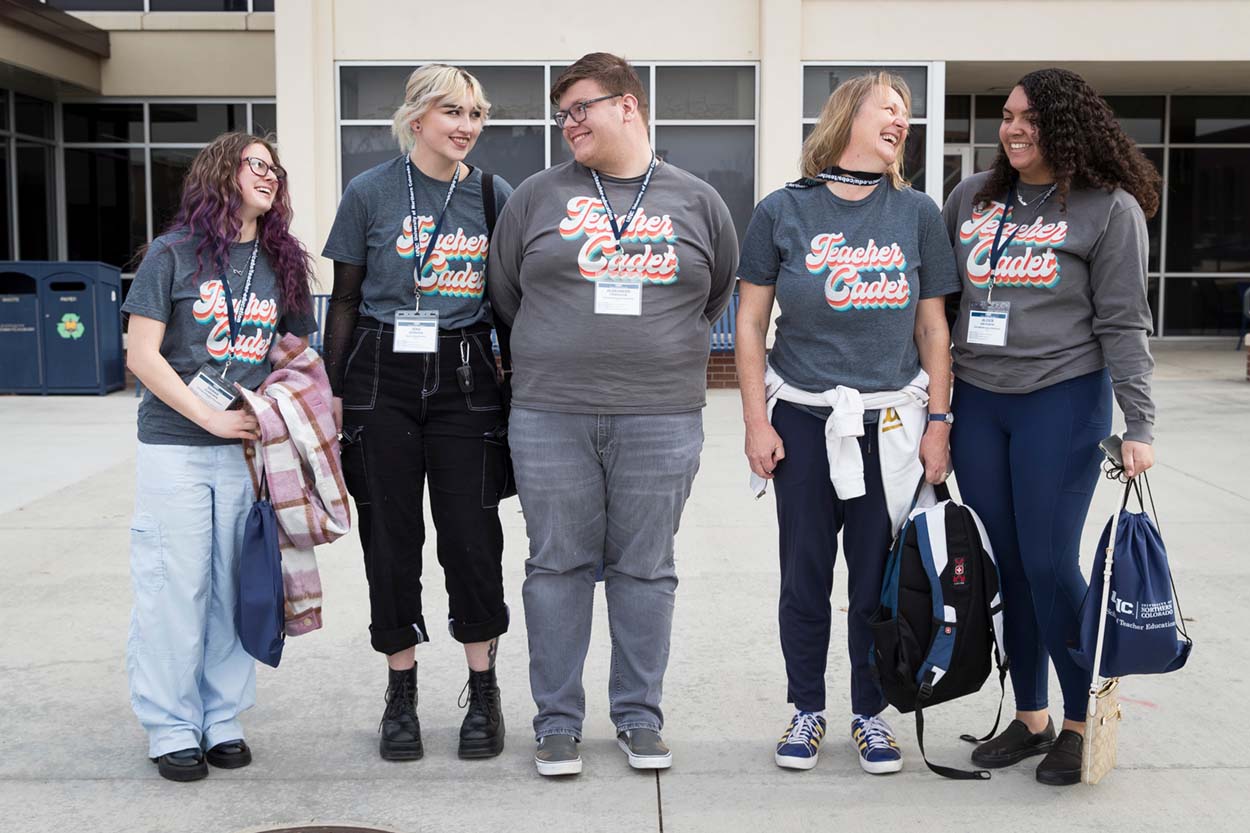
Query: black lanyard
x=618, y=231
x=235, y=325
x=996, y=251
x=412, y=210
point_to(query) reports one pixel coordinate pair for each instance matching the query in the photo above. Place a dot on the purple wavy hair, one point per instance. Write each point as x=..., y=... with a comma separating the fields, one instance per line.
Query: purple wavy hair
x=210, y=207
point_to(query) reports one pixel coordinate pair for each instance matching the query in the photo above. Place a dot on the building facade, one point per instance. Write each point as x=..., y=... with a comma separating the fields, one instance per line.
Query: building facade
x=104, y=102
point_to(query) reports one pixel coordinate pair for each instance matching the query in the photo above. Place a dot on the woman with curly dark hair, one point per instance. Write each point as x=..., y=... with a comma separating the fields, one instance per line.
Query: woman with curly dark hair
x=1053, y=320
x=211, y=295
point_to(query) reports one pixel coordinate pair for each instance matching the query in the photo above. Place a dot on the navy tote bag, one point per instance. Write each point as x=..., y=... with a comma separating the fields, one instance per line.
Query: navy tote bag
x=1145, y=632
x=259, y=611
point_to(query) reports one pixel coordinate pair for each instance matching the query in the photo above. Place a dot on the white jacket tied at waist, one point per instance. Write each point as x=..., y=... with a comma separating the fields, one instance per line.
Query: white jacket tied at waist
x=899, y=439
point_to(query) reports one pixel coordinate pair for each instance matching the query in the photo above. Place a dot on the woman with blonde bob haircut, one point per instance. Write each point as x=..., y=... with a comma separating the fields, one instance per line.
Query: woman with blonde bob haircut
x=408, y=351
x=848, y=412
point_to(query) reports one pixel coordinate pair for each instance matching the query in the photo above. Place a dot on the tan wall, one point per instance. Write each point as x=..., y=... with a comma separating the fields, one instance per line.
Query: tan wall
x=687, y=30
x=307, y=130
x=180, y=63
x=22, y=48
x=1026, y=30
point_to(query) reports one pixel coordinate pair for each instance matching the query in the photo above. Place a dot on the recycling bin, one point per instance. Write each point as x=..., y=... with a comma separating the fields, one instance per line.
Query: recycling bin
x=21, y=351
x=60, y=327
x=82, y=333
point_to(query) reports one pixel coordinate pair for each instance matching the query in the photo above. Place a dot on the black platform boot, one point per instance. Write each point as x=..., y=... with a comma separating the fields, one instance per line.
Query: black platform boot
x=481, y=733
x=400, y=728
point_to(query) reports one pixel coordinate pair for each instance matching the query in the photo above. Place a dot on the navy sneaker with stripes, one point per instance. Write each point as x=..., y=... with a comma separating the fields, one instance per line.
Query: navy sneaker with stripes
x=874, y=740
x=799, y=747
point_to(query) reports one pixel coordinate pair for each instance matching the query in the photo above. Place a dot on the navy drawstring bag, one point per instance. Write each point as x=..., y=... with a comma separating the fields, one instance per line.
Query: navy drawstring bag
x=259, y=611
x=1145, y=632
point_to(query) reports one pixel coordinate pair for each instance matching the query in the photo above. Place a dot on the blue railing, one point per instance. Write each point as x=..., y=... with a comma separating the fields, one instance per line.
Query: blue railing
x=723, y=330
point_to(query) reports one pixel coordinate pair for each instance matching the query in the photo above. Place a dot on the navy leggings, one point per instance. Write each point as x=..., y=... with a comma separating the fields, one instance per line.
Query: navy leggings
x=1028, y=464
x=809, y=517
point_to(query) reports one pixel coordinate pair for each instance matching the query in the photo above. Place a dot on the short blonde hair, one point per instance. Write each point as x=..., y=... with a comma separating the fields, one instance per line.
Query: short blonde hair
x=426, y=88
x=832, y=133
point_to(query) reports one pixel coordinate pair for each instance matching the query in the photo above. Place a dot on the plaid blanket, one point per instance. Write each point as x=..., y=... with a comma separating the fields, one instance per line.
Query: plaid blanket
x=299, y=456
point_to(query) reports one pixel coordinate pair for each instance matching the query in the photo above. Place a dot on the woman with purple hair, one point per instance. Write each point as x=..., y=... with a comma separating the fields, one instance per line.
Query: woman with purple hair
x=206, y=302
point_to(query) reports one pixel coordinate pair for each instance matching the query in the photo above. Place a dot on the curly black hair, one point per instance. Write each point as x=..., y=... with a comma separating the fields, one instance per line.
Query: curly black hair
x=1080, y=140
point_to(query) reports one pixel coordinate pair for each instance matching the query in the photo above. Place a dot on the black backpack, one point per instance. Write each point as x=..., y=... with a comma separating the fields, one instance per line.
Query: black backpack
x=940, y=616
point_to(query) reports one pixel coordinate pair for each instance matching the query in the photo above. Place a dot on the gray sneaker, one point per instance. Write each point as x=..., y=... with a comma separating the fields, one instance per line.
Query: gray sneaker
x=558, y=755
x=645, y=748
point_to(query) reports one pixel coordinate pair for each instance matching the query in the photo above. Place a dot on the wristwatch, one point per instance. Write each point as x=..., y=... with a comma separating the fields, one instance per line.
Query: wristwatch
x=949, y=419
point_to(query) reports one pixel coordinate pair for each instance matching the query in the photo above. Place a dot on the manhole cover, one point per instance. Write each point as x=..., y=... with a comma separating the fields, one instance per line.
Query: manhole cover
x=320, y=828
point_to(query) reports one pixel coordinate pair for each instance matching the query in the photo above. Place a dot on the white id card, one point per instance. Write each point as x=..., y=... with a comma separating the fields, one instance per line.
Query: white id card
x=987, y=323
x=416, y=331
x=208, y=385
x=618, y=297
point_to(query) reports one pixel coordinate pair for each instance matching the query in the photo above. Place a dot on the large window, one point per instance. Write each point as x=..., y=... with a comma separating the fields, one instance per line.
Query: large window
x=27, y=177
x=124, y=165
x=703, y=119
x=162, y=5
x=820, y=80
x=1199, y=261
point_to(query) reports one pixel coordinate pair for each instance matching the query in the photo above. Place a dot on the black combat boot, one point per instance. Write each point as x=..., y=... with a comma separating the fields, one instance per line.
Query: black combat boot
x=400, y=728
x=481, y=733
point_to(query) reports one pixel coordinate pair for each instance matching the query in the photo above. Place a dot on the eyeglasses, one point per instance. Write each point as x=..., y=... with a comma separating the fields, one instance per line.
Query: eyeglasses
x=578, y=111
x=262, y=168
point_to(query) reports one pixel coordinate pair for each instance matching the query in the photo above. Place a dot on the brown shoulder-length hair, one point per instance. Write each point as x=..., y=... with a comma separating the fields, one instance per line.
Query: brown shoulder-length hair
x=1081, y=141
x=609, y=71
x=832, y=133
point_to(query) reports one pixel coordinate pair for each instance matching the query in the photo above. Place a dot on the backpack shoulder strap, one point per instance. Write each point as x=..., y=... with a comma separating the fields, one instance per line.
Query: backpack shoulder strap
x=488, y=202
x=503, y=335
x=931, y=541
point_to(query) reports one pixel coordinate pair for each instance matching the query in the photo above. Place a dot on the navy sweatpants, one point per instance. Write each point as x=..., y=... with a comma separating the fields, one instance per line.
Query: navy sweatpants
x=1028, y=464
x=809, y=517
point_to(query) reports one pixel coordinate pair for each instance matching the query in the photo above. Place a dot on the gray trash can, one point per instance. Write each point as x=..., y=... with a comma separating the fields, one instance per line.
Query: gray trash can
x=21, y=368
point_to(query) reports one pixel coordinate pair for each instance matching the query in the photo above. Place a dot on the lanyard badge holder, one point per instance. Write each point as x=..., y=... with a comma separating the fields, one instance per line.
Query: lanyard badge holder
x=987, y=320
x=416, y=330
x=207, y=383
x=614, y=296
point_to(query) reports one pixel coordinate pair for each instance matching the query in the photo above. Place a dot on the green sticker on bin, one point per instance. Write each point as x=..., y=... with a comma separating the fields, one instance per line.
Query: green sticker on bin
x=71, y=326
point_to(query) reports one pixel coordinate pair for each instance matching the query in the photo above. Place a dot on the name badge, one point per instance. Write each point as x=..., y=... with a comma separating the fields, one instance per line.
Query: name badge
x=416, y=331
x=987, y=323
x=209, y=386
x=618, y=297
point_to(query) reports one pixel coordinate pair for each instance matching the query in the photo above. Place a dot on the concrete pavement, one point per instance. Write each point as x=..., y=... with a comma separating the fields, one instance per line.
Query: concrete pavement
x=72, y=755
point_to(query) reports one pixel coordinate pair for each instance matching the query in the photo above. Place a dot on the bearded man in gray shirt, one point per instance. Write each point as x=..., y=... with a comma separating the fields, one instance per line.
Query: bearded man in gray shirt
x=609, y=270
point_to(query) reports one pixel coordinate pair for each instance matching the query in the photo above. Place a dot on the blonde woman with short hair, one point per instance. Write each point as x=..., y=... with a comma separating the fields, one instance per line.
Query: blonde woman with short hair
x=858, y=263
x=408, y=351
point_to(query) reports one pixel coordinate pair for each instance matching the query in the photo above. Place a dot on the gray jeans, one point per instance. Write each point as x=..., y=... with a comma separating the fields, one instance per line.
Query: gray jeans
x=601, y=490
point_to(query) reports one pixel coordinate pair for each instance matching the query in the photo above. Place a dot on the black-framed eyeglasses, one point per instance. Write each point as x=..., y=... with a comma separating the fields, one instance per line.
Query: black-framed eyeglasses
x=262, y=168
x=578, y=111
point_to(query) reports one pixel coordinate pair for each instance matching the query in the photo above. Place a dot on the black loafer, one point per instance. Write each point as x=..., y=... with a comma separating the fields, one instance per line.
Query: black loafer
x=1014, y=744
x=1062, y=765
x=183, y=765
x=231, y=754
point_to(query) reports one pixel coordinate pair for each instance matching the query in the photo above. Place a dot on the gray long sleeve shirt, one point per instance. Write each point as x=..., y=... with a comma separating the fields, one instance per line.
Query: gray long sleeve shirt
x=1076, y=282
x=548, y=253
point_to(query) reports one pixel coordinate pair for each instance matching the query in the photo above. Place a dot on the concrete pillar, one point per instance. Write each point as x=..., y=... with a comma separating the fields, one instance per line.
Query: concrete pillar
x=781, y=93
x=304, y=59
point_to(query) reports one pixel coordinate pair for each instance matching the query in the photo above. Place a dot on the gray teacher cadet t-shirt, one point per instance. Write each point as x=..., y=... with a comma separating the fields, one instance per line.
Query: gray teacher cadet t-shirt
x=1075, y=277
x=551, y=246
x=193, y=308
x=848, y=276
x=373, y=228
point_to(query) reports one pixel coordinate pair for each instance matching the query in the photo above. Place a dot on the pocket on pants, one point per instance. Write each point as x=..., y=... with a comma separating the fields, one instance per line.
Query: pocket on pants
x=352, y=457
x=147, y=554
x=497, y=476
x=360, y=373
